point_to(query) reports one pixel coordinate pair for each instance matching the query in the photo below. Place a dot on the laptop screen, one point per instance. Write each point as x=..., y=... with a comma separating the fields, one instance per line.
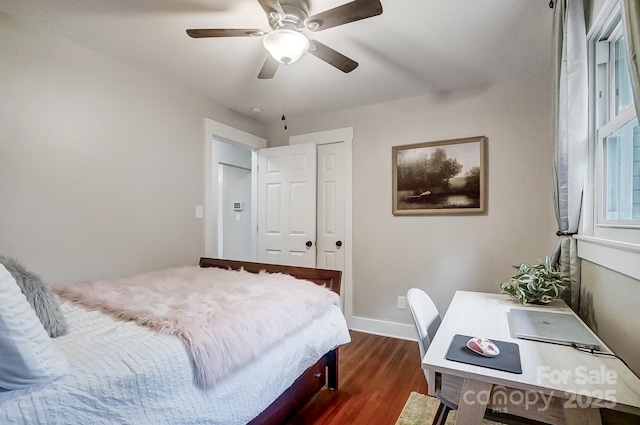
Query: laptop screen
x=548, y=326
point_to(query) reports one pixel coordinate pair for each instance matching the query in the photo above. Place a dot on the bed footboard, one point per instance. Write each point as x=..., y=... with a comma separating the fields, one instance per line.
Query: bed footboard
x=329, y=278
x=324, y=372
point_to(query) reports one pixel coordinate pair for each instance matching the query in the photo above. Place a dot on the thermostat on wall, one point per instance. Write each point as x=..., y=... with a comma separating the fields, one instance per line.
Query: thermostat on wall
x=237, y=206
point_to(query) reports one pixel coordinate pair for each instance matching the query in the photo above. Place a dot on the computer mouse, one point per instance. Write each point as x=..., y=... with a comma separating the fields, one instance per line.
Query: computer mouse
x=483, y=346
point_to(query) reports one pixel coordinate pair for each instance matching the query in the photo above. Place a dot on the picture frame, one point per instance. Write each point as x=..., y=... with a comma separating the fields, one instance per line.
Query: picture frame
x=441, y=177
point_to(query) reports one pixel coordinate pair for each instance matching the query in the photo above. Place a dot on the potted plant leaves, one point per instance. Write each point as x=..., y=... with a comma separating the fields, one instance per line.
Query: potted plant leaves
x=536, y=283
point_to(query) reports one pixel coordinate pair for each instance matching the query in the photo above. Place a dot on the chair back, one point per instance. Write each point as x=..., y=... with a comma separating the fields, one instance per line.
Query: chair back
x=425, y=317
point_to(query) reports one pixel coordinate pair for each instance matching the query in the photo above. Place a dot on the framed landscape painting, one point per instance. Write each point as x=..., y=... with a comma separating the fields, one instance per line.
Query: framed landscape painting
x=444, y=177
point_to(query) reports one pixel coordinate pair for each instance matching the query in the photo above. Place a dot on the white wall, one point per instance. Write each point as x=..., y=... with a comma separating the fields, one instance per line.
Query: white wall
x=101, y=165
x=232, y=154
x=609, y=305
x=591, y=10
x=444, y=253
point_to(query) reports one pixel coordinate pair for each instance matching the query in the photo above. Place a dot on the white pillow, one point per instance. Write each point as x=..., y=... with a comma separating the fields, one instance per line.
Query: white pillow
x=28, y=356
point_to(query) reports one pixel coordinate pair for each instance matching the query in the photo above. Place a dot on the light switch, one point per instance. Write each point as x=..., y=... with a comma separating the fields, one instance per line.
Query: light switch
x=199, y=211
x=402, y=303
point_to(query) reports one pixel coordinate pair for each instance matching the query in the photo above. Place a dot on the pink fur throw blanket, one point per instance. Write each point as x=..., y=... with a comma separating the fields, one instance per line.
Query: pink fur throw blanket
x=225, y=317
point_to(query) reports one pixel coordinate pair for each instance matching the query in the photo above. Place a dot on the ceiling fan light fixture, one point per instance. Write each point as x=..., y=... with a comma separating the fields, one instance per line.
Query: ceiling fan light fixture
x=286, y=46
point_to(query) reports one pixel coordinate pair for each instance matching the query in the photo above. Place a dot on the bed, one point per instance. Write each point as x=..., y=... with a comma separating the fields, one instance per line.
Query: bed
x=124, y=373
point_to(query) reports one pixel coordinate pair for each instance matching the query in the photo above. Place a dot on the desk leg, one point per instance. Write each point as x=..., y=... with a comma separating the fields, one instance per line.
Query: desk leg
x=431, y=383
x=584, y=416
x=473, y=402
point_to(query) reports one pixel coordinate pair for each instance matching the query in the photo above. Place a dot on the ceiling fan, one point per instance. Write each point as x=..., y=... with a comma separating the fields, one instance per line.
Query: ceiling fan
x=286, y=43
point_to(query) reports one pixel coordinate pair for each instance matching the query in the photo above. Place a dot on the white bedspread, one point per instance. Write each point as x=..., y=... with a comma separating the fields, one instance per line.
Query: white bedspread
x=123, y=373
x=225, y=317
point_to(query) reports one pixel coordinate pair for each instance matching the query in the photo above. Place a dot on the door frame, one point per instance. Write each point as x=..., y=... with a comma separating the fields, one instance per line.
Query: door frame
x=344, y=135
x=217, y=130
x=214, y=129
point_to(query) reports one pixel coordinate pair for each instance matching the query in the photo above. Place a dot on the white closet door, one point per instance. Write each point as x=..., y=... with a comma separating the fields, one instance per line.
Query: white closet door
x=331, y=207
x=287, y=205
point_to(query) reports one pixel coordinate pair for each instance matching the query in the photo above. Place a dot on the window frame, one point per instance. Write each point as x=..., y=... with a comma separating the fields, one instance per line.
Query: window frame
x=609, y=118
x=625, y=116
x=614, y=244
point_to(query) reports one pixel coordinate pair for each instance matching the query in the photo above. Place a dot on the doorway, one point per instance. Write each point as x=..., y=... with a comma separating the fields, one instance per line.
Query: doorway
x=230, y=143
x=234, y=212
x=234, y=200
x=233, y=136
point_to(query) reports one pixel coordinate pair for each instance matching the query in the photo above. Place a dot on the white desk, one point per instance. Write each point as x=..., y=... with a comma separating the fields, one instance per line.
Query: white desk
x=558, y=384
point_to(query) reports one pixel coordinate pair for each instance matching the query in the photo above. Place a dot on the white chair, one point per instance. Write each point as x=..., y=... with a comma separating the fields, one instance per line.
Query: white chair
x=427, y=320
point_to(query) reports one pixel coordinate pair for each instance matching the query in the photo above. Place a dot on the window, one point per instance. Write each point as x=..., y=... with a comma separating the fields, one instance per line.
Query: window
x=610, y=232
x=616, y=133
x=621, y=151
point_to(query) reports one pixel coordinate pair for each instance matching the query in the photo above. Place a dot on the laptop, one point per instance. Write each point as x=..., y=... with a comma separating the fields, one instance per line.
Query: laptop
x=548, y=326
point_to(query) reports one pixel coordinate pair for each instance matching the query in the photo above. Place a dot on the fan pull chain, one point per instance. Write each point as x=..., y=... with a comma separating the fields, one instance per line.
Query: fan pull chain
x=284, y=105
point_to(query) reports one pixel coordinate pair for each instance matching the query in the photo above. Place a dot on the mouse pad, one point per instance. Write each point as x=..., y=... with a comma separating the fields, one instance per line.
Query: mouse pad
x=508, y=360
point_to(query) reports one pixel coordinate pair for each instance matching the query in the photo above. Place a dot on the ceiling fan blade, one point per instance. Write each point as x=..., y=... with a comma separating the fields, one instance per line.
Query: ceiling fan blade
x=225, y=32
x=348, y=12
x=269, y=68
x=332, y=57
x=271, y=7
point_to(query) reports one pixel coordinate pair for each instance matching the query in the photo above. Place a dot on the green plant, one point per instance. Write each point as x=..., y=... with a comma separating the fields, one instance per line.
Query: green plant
x=536, y=283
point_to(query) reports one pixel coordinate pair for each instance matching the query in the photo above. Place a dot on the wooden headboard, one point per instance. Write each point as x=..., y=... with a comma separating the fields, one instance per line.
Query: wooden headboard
x=329, y=278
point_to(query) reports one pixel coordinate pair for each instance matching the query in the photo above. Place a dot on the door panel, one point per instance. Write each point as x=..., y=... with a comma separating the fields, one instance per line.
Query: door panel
x=287, y=205
x=272, y=210
x=331, y=206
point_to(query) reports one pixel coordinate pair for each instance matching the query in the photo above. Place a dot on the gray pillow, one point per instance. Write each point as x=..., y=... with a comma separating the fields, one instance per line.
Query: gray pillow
x=39, y=295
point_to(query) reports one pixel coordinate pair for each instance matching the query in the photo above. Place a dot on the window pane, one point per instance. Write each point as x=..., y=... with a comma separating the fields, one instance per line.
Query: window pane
x=622, y=173
x=624, y=92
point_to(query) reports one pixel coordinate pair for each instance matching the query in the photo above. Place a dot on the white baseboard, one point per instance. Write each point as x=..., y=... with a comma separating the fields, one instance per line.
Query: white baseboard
x=383, y=328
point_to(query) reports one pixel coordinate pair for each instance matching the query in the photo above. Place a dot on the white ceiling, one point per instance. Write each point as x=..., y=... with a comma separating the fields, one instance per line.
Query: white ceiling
x=415, y=47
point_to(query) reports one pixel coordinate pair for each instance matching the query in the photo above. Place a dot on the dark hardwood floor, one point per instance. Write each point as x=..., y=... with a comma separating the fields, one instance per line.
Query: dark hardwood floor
x=376, y=376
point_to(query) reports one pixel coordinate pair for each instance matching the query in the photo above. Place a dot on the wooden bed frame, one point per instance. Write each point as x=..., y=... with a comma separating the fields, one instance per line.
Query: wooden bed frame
x=325, y=371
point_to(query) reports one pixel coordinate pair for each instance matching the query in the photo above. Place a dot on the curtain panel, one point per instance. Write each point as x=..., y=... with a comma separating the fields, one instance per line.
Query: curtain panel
x=631, y=19
x=571, y=91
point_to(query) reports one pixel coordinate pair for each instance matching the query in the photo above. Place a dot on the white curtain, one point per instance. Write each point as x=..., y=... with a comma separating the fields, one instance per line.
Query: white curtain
x=631, y=17
x=571, y=92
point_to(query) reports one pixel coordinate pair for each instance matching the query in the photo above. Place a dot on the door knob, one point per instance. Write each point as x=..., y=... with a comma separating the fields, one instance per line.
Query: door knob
x=339, y=244
x=309, y=244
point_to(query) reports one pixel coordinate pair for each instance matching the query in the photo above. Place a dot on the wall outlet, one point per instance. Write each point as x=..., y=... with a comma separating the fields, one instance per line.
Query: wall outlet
x=402, y=303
